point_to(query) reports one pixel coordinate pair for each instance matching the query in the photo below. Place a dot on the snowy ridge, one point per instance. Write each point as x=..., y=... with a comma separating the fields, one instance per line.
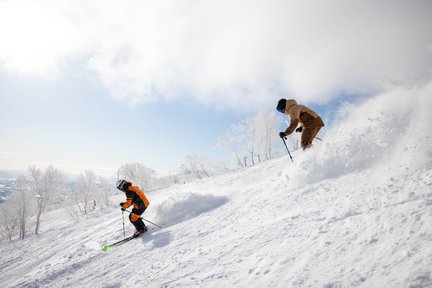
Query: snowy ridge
x=354, y=211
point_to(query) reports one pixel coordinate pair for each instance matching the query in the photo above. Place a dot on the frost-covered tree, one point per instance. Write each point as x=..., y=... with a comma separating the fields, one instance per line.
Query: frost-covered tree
x=8, y=221
x=173, y=178
x=104, y=191
x=138, y=174
x=247, y=133
x=85, y=192
x=22, y=201
x=198, y=167
x=44, y=184
x=231, y=141
x=255, y=138
x=268, y=141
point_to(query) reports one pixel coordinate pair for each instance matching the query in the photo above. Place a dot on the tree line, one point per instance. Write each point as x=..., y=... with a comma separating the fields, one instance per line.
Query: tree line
x=253, y=140
x=248, y=142
x=41, y=190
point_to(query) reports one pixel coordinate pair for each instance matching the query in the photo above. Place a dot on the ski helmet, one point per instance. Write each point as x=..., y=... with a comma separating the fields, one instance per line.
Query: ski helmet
x=281, y=105
x=121, y=184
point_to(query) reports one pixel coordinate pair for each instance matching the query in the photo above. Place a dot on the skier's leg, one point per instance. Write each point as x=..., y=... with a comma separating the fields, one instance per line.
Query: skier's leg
x=315, y=132
x=136, y=220
x=133, y=219
x=306, y=137
x=318, y=124
x=309, y=133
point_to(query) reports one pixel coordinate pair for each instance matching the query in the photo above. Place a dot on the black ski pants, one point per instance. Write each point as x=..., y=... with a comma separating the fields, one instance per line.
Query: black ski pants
x=135, y=219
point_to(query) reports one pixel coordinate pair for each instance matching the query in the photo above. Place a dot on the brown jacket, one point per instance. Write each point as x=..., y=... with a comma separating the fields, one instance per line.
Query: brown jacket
x=301, y=114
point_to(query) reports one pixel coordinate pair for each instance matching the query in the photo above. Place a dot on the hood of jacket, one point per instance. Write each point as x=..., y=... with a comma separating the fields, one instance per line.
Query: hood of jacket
x=289, y=104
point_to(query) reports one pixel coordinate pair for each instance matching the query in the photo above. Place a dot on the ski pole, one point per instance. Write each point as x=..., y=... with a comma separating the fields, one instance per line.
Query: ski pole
x=124, y=231
x=283, y=139
x=319, y=138
x=143, y=219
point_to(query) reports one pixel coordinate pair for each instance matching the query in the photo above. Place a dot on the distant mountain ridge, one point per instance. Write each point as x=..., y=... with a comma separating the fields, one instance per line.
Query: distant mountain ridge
x=9, y=174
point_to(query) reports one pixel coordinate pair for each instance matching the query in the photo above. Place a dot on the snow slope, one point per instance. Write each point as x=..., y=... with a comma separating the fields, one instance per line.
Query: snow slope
x=354, y=211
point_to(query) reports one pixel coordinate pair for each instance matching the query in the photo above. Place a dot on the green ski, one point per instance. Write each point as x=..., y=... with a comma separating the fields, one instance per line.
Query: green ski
x=106, y=247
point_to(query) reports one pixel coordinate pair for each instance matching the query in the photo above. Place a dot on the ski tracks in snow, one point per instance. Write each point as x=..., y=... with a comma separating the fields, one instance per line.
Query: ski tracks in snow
x=251, y=228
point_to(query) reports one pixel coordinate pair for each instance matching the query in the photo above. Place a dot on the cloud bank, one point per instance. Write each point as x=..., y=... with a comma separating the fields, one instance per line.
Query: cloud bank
x=225, y=53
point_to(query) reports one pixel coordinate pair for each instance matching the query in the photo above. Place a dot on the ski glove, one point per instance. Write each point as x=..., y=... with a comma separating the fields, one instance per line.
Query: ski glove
x=300, y=129
x=121, y=205
x=282, y=134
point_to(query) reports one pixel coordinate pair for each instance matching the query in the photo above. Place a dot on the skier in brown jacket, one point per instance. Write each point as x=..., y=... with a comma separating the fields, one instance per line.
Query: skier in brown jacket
x=310, y=121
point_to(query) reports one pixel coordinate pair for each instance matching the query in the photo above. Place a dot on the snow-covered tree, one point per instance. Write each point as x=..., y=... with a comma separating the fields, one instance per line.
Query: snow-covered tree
x=16, y=210
x=255, y=139
x=198, y=167
x=231, y=142
x=8, y=221
x=85, y=192
x=104, y=191
x=247, y=136
x=44, y=184
x=21, y=201
x=138, y=174
x=268, y=141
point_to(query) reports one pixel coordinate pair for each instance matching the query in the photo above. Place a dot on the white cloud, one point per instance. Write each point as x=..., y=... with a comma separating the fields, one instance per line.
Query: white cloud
x=35, y=38
x=222, y=52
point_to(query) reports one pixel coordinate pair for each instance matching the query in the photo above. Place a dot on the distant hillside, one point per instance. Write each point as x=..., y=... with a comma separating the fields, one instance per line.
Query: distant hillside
x=11, y=174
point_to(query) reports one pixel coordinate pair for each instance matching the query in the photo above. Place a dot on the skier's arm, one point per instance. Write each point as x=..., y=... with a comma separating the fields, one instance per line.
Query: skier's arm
x=292, y=126
x=128, y=202
x=294, y=113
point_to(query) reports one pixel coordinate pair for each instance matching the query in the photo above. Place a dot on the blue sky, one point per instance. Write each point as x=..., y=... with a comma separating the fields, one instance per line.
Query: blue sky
x=76, y=125
x=97, y=84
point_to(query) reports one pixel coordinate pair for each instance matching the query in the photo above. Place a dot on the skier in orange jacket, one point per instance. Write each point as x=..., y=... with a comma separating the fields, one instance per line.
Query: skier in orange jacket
x=136, y=197
x=310, y=121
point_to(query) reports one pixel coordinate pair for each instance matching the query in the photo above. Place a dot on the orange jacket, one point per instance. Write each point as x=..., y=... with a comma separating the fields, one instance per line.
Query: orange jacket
x=136, y=197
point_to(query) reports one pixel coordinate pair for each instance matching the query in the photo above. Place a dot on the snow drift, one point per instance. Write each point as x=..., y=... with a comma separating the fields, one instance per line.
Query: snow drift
x=181, y=207
x=393, y=129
